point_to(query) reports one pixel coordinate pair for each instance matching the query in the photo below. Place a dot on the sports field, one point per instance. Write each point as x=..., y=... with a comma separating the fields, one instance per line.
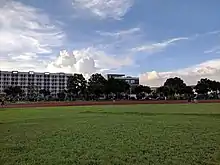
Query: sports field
x=183, y=134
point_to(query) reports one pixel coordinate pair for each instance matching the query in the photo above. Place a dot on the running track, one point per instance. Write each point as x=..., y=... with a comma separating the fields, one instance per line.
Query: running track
x=89, y=103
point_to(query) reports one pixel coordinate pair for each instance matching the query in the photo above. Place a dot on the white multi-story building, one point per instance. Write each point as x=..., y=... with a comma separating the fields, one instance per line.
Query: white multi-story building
x=54, y=82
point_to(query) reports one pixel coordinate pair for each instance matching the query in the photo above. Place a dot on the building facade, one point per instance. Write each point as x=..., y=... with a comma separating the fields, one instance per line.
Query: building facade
x=133, y=81
x=54, y=82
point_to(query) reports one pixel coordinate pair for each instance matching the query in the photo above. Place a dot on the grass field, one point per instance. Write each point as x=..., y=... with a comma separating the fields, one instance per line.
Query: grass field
x=135, y=134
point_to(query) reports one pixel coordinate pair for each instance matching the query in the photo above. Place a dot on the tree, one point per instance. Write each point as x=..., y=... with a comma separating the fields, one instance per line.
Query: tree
x=214, y=87
x=8, y=90
x=13, y=91
x=188, y=91
x=218, y=86
x=111, y=86
x=33, y=92
x=45, y=93
x=123, y=86
x=76, y=85
x=147, y=89
x=61, y=96
x=116, y=87
x=203, y=86
x=175, y=85
x=141, y=91
x=163, y=91
x=96, y=85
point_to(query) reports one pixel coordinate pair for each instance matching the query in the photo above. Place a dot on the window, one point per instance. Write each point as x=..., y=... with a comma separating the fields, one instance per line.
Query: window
x=132, y=81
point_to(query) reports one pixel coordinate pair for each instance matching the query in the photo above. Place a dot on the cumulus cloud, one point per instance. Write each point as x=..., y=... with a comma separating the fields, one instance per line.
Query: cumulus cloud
x=86, y=61
x=156, y=47
x=26, y=32
x=209, y=69
x=115, y=9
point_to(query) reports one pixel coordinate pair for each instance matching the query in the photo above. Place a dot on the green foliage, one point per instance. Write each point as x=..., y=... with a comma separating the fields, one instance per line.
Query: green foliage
x=125, y=135
x=203, y=86
x=112, y=86
x=44, y=92
x=188, y=90
x=123, y=86
x=61, y=96
x=116, y=87
x=13, y=91
x=163, y=91
x=96, y=85
x=175, y=85
x=76, y=84
x=141, y=91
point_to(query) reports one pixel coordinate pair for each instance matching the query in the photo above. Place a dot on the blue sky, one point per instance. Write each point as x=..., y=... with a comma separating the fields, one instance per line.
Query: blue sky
x=153, y=39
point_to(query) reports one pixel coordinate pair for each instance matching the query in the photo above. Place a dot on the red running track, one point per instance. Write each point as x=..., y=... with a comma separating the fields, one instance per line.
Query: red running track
x=89, y=103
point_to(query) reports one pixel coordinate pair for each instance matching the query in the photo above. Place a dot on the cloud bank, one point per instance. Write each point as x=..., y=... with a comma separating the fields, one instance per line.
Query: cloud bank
x=209, y=69
x=25, y=33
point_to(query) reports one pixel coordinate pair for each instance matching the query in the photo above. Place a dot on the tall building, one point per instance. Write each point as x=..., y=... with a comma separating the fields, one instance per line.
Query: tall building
x=133, y=81
x=54, y=82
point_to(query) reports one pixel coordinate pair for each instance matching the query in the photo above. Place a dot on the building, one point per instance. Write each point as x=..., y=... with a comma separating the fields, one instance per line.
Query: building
x=133, y=81
x=54, y=82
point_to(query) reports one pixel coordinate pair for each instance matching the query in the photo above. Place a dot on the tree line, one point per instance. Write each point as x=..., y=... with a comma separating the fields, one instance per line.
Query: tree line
x=97, y=87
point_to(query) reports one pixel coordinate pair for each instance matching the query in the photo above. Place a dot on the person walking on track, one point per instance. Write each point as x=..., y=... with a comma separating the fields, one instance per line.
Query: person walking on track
x=3, y=102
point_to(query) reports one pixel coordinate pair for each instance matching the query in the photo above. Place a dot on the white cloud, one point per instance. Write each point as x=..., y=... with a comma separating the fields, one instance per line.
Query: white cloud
x=86, y=61
x=215, y=49
x=160, y=46
x=213, y=32
x=25, y=33
x=21, y=65
x=115, y=9
x=28, y=38
x=120, y=33
x=156, y=47
x=209, y=69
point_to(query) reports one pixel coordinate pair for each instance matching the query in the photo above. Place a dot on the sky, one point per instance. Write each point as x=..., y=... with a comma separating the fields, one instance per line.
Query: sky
x=152, y=39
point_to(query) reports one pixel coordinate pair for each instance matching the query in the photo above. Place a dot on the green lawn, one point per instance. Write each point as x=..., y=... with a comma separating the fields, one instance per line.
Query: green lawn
x=137, y=134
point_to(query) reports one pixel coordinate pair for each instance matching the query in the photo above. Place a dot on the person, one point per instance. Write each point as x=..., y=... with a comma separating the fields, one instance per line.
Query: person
x=195, y=100
x=2, y=102
x=189, y=99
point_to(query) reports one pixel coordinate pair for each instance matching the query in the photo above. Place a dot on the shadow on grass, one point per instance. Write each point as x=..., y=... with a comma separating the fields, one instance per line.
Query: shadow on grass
x=153, y=114
x=2, y=109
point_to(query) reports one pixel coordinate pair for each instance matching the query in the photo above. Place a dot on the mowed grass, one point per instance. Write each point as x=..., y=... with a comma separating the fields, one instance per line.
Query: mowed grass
x=139, y=134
